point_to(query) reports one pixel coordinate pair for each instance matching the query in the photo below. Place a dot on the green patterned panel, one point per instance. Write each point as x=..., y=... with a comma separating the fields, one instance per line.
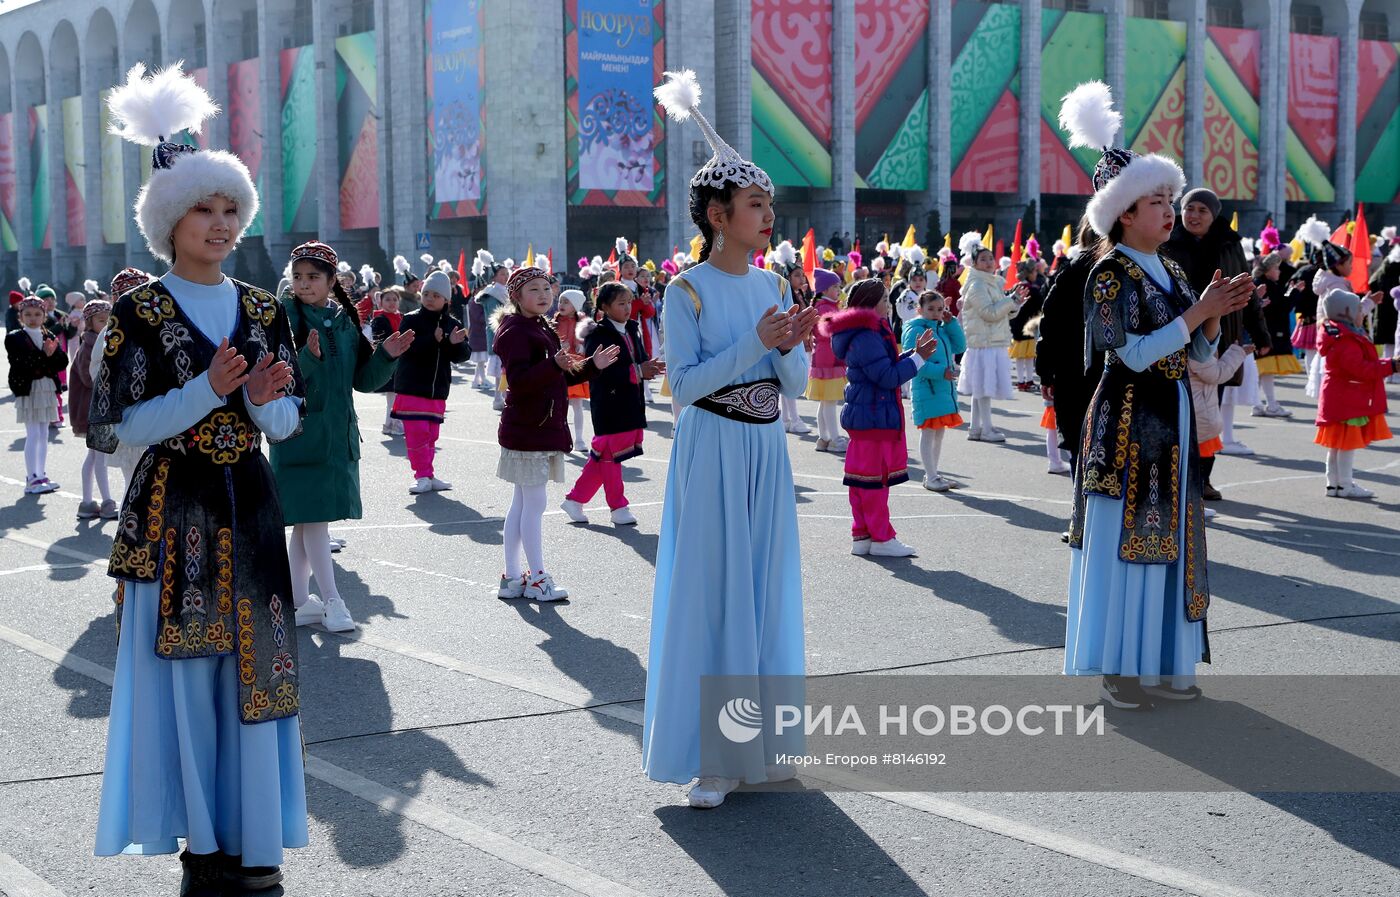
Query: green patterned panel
x=904, y=165
x=1155, y=49
x=980, y=73
x=1073, y=52
x=298, y=139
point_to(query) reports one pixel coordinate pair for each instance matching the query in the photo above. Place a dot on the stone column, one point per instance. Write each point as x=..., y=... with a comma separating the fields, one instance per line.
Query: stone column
x=383, y=31
x=20, y=101
x=274, y=21
x=1194, y=12
x=99, y=263
x=1115, y=47
x=61, y=256
x=834, y=208
x=402, y=29
x=326, y=16
x=1273, y=84
x=938, y=195
x=1344, y=163
x=732, y=109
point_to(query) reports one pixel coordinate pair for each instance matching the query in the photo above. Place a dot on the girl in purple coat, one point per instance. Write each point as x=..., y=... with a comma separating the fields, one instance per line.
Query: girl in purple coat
x=534, y=430
x=861, y=336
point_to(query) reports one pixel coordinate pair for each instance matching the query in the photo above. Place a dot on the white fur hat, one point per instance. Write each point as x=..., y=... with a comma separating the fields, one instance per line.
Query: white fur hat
x=574, y=298
x=149, y=110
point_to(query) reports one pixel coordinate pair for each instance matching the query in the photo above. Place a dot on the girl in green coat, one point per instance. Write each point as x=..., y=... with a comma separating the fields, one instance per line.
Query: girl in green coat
x=318, y=472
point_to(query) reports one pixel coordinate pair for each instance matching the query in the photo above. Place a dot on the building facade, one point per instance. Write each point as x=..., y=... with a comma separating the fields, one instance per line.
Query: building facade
x=409, y=126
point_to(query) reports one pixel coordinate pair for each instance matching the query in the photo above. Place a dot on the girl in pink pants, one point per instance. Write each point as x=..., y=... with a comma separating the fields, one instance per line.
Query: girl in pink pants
x=424, y=378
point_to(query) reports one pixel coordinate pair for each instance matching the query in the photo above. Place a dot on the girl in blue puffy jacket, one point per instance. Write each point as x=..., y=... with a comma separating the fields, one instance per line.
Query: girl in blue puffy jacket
x=935, y=387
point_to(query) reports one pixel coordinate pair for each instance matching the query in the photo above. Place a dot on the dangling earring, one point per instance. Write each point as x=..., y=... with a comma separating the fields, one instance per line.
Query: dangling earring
x=719, y=242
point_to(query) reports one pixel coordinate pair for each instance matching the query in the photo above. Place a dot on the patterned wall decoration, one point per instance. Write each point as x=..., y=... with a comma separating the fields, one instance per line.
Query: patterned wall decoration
x=1232, y=112
x=984, y=106
x=114, y=209
x=1154, y=105
x=1313, y=69
x=42, y=235
x=357, y=99
x=791, y=90
x=456, y=111
x=1072, y=52
x=1378, y=122
x=615, y=133
x=245, y=124
x=9, y=183
x=74, y=189
x=297, y=67
x=892, y=94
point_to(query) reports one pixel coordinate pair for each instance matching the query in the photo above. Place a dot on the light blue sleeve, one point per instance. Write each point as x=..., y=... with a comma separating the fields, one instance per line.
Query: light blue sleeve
x=692, y=376
x=1202, y=349
x=277, y=419
x=164, y=416
x=792, y=369
x=1140, y=352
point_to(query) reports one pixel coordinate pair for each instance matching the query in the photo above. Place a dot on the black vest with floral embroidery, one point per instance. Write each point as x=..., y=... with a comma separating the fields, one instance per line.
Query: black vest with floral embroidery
x=201, y=517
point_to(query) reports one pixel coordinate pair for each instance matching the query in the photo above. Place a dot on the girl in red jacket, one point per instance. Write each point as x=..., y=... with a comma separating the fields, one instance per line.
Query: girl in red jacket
x=1351, y=402
x=534, y=430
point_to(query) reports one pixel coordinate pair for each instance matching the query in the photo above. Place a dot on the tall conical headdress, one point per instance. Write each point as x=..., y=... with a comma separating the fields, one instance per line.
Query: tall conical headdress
x=680, y=97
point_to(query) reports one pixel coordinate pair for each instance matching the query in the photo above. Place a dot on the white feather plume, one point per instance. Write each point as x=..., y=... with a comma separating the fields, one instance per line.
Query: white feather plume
x=969, y=243
x=147, y=110
x=896, y=252
x=24, y=284
x=622, y=245
x=882, y=247
x=1087, y=114
x=1314, y=231
x=367, y=276
x=478, y=268
x=597, y=262
x=1059, y=247
x=444, y=266
x=509, y=263
x=426, y=258
x=786, y=253
x=1074, y=252
x=878, y=264
x=1394, y=255
x=1388, y=234
x=542, y=262
x=400, y=265
x=681, y=259
x=90, y=287
x=679, y=94
x=343, y=268
x=915, y=256
x=485, y=257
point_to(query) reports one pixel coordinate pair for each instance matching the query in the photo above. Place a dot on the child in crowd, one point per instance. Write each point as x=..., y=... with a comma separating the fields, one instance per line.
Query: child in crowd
x=35, y=362
x=617, y=405
x=935, y=398
x=533, y=433
x=863, y=338
x=1206, y=377
x=826, y=385
x=567, y=321
x=96, y=313
x=492, y=298
x=423, y=379
x=384, y=321
x=986, y=315
x=1351, y=403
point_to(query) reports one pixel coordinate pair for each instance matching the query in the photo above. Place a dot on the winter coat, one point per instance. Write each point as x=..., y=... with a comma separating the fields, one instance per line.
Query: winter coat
x=1278, y=314
x=1029, y=309
x=1385, y=278
x=537, y=389
x=934, y=395
x=1353, y=376
x=1206, y=378
x=1059, y=356
x=381, y=325
x=1324, y=282
x=80, y=383
x=425, y=370
x=567, y=331
x=952, y=294
x=825, y=364
x=1200, y=257
x=615, y=393
x=318, y=470
x=875, y=369
x=476, y=327
x=986, y=311
x=29, y=363
x=491, y=298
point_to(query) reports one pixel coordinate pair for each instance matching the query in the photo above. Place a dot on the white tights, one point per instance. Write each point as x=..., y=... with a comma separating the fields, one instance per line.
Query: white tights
x=525, y=526
x=790, y=415
x=95, y=468
x=1339, y=466
x=36, y=449
x=576, y=406
x=930, y=449
x=1025, y=370
x=1266, y=385
x=1227, y=419
x=310, y=552
x=1052, y=450
x=982, y=414
x=828, y=421
x=388, y=407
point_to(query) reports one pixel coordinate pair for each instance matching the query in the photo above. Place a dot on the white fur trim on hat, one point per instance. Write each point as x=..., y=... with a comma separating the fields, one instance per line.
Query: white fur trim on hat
x=1140, y=177
x=191, y=179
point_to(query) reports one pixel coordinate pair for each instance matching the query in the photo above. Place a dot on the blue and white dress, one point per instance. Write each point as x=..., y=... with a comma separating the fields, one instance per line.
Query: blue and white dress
x=728, y=594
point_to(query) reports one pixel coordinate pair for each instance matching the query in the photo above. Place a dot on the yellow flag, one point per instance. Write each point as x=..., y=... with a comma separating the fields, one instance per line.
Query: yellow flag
x=633, y=251
x=530, y=255
x=695, y=244
x=909, y=238
x=948, y=241
x=1068, y=236
x=1235, y=221
x=1297, y=246
x=988, y=241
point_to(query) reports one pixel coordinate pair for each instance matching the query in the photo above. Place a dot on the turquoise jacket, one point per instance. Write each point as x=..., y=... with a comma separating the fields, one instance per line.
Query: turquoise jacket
x=934, y=395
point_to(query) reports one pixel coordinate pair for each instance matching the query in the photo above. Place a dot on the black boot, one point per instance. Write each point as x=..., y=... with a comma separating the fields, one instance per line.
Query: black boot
x=204, y=874
x=251, y=878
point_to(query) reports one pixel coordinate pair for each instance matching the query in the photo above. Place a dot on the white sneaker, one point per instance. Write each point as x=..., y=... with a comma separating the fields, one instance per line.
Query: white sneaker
x=398, y=428
x=338, y=617
x=580, y=446
x=541, y=587
x=499, y=402
x=623, y=516
x=839, y=445
x=710, y=792
x=937, y=484
x=336, y=546
x=313, y=611
x=1354, y=491
x=974, y=434
x=993, y=435
x=573, y=510
x=1259, y=410
x=1236, y=448
x=1278, y=411
x=860, y=547
x=799, y=428
x=892, y=549
x=387, y=429
x=1060, y=469
x=440, y=485
x=421, y=485
x=511, y=587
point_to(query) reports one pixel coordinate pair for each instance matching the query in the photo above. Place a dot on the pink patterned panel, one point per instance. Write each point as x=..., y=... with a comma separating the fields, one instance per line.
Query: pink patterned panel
x=886, y=30
x=792, y=50
x=1312, y=93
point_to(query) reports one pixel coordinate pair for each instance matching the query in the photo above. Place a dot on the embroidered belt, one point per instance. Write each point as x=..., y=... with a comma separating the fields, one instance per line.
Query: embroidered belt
x=223, y=438
x=750, y=403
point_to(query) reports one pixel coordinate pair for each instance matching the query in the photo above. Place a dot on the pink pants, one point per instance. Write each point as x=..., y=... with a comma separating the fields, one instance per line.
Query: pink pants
x=604, y=468
x=875, y=461
x=870, y=514
x=422, y=421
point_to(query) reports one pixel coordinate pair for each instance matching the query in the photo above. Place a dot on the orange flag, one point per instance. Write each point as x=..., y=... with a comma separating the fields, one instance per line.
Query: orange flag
x=1360, y=253
x=1015, y=258
x=612, y=259
x=809, y=257
x=462, y=271
x=1342, y=235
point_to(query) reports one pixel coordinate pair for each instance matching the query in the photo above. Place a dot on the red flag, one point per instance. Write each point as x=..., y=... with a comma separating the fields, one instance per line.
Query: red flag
x=1360, y=253
x=1000, y=250
x=550, y=255
x=1015, y=257
x=809, y=257
x=612, y=259
x=1341, y=236
x=462, y=270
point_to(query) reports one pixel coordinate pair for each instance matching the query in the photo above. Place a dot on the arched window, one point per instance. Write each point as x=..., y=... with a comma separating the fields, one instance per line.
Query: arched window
x=1225, y=14
x=1374, y=25
x=1307, y=19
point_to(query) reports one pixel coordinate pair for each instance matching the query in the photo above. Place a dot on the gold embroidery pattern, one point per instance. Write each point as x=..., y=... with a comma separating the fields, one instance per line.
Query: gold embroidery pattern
x=157, y=503
x=223, y=566
x=152, y=306
x=167, y=576
x=218, y=637
x=1176, y=486
x=260, y=305
x=170, y=638
x=286, y=702
x=1173, y=366
x=246, y=672
x=257, y=705
x=1125, y=420
x=115, y=337
x=1106, y=287
x=224, y=437
x=1196, y=602
x=1100, y=483
x=132, y=562
x=1130, y=498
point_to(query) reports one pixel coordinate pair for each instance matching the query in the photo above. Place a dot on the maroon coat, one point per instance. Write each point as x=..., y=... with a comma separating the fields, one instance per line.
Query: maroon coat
x=537, y=389
x=80, y=384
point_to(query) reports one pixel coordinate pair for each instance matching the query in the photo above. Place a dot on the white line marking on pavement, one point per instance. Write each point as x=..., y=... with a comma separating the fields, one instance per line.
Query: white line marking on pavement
x=1304, y=476
x=528, y=859
x=47, y=567
x=56, y=549
x=17, y=881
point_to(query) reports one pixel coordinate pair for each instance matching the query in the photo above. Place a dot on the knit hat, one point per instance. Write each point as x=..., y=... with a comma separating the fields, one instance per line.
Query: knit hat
x=1205, y=196
x=1121, y=177
x=148, y=110
x=16, y=297
x=574, y=298
x=75, y=299
x=96, y=307
x=523, y=276
x=44, y=291
x=680, y=97
x=1329, y=255
x=823, y=280
x=127, y=280
x=438, y=282
x=1341, y=304
x=30, y=302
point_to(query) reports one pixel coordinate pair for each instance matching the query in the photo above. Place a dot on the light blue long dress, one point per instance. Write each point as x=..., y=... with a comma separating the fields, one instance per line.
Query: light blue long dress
x=728, y=594
x=1130, y=619
x=179, y=765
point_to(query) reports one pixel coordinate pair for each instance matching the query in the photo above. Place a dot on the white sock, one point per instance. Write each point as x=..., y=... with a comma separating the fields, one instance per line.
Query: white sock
x=533, y=500
x=987, y=415
x=36, y=448
x=95, y=470
x=89, y=461
x=930, y=448
x=789, y=410
x=675, y=411
x=1333, y=469
x=576, y=406
x=1345, y=460
x=826, y=421
x=510, y=534
x=1024, y=371
x=1266, y=383
x=1227, y=420
x=316, y=540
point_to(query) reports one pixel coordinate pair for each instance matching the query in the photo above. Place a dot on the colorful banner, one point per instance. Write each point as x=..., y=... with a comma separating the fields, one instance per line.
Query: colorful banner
x=1072, y=52
x=42, y=235
x=298, y=73
x=1313, y=69
x=1232, y=113
x=791, y=90
x=114, y=209
x=1378, y=122
x=245, y=125
x=983, y=102
x=9, y=183
x=1154, y=101
x=73, y=167
x=456, y=81
x=892, y=94
x=357, y=102
x=615, y=134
